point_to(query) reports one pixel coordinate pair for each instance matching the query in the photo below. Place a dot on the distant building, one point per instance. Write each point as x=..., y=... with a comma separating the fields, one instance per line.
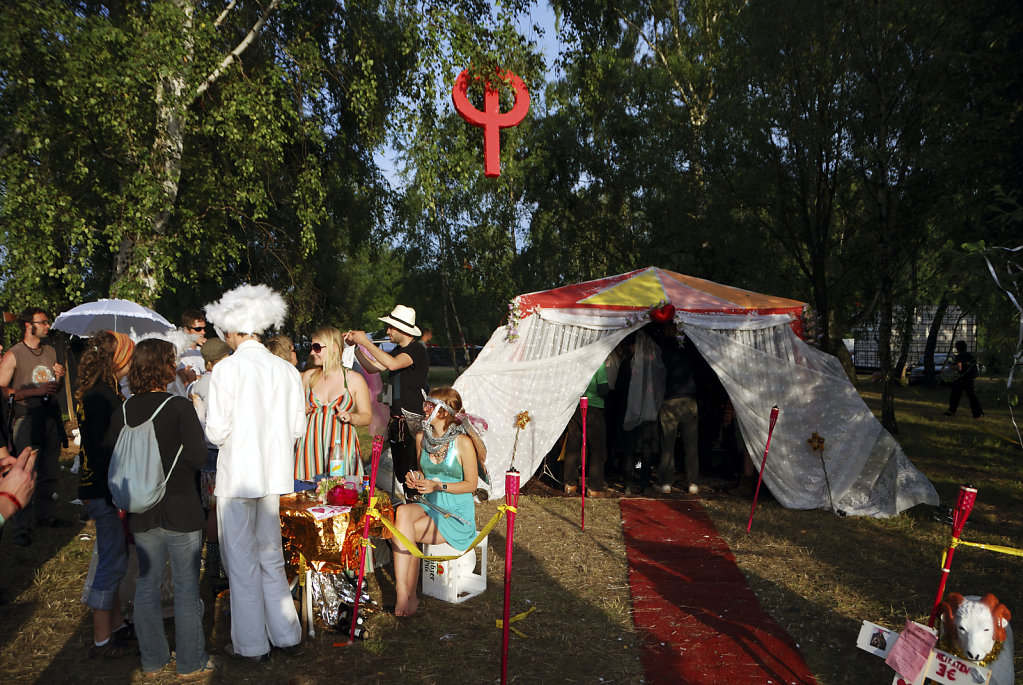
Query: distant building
x=955, y=325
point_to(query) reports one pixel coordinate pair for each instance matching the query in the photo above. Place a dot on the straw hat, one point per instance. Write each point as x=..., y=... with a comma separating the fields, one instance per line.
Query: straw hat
x=404, y=319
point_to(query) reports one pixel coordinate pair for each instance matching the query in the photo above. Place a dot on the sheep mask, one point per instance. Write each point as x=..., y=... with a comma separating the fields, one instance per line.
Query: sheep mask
x=974, y=626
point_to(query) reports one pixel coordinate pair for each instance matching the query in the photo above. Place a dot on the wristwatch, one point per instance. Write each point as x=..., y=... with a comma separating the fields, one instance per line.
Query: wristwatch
x=444, y=487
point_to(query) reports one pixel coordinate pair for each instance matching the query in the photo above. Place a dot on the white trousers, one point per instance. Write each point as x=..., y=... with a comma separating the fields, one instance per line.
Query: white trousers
x=262, y=610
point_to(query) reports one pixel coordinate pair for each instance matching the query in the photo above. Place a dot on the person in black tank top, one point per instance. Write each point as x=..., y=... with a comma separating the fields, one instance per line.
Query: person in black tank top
x=408, y=365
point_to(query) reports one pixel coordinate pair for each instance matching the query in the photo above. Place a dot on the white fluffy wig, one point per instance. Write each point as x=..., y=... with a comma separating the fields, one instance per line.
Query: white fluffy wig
x=247, y=309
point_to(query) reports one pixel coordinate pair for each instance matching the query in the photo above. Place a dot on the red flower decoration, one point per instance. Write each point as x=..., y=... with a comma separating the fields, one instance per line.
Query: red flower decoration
x=663, y=314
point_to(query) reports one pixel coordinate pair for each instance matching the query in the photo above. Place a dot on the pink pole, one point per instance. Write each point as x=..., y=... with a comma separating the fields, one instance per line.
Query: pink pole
x=511, y=498
x=964, y=505
x=763, y=463
x=584, y=404
x=378, y=447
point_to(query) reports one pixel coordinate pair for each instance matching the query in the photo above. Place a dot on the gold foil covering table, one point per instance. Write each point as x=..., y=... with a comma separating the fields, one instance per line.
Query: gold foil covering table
x=330, y=545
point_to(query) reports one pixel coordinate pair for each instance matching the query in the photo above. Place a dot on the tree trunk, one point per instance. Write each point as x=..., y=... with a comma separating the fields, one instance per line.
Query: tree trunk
x=139, y=277
x=884, y=351
x=930, y=377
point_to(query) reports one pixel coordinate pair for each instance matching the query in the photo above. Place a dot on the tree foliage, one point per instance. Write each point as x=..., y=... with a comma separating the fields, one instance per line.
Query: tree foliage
x=834, y=152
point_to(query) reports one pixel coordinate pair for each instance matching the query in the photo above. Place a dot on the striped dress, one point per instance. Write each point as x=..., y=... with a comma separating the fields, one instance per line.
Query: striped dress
x=322, y=430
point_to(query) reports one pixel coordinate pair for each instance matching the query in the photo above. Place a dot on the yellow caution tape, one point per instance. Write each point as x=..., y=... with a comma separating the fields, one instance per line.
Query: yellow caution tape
x=413, y=548
x=994, y=548
x=513, y=619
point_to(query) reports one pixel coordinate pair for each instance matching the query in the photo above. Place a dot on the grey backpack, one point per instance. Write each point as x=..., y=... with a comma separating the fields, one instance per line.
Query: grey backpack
x=136, y=479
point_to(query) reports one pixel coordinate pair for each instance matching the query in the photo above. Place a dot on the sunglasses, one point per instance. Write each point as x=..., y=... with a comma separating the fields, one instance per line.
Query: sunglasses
x=196, y=329
x=317, y=347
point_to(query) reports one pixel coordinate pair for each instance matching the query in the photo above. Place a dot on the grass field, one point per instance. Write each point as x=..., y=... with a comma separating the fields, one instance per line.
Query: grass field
x=818, y=574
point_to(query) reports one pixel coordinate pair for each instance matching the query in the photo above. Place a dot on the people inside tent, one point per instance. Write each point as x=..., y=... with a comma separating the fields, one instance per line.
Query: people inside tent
x=641, y=434
x=596, y=439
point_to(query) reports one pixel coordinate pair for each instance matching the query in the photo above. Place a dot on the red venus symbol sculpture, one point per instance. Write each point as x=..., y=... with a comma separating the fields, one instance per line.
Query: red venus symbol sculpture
x=491, y=119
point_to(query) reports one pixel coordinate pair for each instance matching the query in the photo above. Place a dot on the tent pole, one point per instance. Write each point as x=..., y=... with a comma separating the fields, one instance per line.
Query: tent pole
x=763, y=464
x=584, y=403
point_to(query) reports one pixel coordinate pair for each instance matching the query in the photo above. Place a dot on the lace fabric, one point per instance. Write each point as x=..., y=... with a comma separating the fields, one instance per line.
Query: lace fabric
x=758, y=359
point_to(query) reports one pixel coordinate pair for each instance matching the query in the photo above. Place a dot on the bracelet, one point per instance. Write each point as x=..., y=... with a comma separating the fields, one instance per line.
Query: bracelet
x=17, y=504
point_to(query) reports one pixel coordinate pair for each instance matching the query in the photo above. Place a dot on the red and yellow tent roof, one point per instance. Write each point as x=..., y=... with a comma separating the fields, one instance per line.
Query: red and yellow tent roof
x=646, y=288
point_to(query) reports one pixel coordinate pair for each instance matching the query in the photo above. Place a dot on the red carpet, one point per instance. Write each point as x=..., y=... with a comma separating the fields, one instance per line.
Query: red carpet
x=697, y=619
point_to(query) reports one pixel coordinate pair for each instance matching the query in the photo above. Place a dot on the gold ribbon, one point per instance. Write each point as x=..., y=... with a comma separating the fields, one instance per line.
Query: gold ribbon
x=513, y=619
x=413, y=548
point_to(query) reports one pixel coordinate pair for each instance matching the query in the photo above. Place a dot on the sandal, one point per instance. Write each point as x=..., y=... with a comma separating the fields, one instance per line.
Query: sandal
x=207, y=669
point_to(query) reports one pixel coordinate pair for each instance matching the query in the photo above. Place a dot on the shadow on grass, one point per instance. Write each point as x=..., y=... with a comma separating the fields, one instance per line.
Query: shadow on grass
x=581, y=630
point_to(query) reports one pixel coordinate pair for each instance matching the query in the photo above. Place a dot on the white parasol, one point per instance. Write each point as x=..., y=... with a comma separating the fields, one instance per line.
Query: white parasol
x=123, y=316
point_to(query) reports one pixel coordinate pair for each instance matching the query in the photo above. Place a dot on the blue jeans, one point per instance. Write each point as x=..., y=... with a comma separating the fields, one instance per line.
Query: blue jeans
x=112, y=554
x=184, y=549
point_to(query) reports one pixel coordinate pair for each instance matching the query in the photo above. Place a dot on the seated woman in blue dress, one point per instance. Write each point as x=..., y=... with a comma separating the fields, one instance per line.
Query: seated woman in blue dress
x=446, y=478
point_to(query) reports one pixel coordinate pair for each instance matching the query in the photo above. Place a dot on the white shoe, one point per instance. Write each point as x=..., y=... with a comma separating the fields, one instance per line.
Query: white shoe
x=694, y=489
x=663, y=489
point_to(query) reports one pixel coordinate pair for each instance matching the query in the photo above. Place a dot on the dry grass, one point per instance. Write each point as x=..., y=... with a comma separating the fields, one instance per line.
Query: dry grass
x=821, y=575
x=818, y=574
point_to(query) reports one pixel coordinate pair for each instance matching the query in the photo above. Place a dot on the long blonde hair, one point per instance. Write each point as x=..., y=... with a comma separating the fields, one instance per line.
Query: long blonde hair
x=332, y=359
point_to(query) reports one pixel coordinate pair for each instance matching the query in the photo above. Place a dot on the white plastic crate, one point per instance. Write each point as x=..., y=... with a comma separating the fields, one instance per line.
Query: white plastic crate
x=459, y=579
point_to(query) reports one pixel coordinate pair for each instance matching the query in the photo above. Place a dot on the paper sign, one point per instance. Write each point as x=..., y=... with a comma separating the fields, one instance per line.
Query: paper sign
x=950, y=669
x=876, y=639
x=912, y=650
x=325, y=511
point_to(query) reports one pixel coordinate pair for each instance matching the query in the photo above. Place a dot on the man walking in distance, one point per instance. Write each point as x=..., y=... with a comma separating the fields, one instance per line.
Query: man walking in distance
x=31, y=377
x=408, y=365
x=255, y=413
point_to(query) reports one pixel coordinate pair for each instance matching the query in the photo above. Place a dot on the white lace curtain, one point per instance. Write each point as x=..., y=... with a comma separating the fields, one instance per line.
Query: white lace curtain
x=760, y=362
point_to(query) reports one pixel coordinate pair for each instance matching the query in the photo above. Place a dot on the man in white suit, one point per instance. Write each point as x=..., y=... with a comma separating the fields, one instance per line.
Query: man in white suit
x=255, y=414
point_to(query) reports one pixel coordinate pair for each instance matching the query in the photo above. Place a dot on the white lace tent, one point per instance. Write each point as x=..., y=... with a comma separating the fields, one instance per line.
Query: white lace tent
x=542, y=361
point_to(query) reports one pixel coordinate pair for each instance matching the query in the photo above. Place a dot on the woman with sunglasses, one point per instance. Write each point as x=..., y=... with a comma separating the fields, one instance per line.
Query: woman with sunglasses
x=337, y=400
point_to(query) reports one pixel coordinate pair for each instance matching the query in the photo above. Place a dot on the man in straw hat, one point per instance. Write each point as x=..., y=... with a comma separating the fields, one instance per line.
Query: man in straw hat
x=408, y=365
x=255, y=413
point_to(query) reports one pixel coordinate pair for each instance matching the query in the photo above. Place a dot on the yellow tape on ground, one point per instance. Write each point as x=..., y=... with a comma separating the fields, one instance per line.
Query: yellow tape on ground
x=413, y=548
x=513, y=619
x=997, y=435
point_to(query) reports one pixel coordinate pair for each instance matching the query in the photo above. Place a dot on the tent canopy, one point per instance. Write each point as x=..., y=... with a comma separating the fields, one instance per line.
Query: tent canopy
x=555, y=340
x=646, y=288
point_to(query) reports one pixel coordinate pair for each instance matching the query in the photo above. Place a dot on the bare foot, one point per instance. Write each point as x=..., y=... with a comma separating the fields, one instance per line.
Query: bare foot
x=406, y=608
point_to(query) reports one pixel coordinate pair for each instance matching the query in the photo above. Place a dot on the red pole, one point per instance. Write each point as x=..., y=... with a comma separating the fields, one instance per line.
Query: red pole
x=378, y=447
x=964, y=505
x=584, y=404
x=763, y=463
x=511, y=498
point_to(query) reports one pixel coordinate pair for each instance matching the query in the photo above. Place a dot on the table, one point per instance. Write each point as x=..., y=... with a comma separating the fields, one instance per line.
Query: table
x=330, y=545
x=321, y=555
